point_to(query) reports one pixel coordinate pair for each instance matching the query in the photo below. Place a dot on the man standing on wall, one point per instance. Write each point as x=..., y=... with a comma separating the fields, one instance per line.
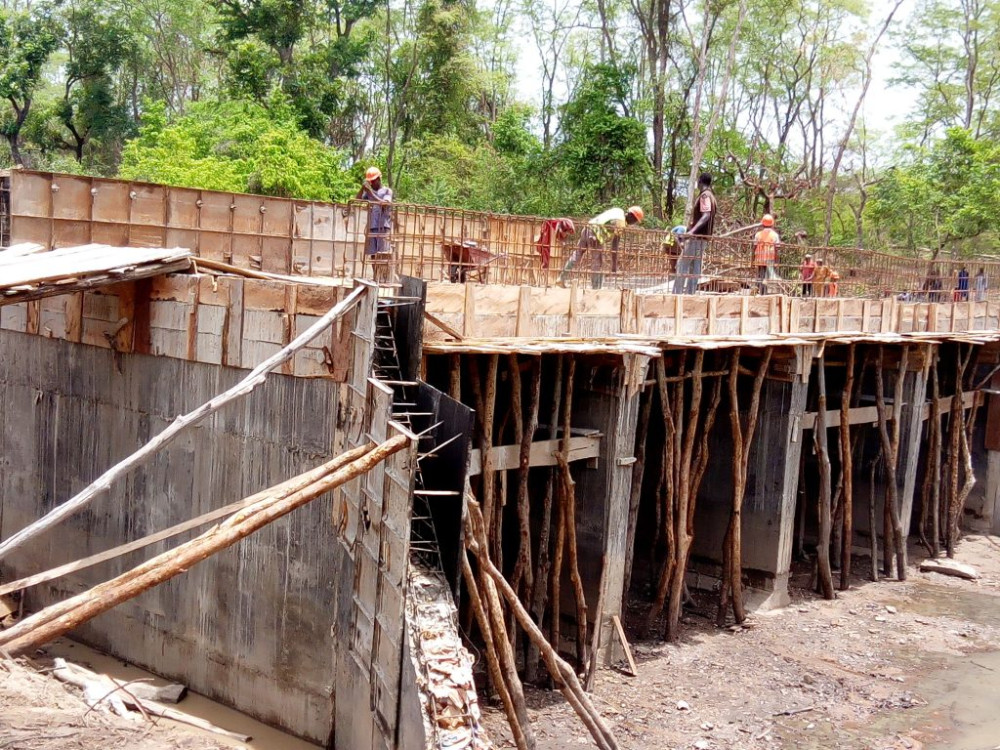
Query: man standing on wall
x=377, y=248
x=765, y=253
x=701, y=229
x=603, y=227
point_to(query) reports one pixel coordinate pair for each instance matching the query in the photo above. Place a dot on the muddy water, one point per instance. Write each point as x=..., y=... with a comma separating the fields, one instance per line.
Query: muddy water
x=264, y=737
x=962, y=691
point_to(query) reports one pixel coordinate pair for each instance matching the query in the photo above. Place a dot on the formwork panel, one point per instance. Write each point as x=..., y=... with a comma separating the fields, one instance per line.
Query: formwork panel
x=247, y=216
x=187, y=238
x=70, y=233
x=215, y=245
x=111, y=201
x=216, y=216
x=275, y=255
x=277, y=218
x=115, y=235
x=246, y=250
x=30, y=195
x=149, y=205
x=182, y=208
x=72, y=199
x=146, y=236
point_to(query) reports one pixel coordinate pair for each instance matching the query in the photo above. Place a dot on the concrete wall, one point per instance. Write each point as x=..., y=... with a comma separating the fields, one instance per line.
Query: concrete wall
x=250, y=626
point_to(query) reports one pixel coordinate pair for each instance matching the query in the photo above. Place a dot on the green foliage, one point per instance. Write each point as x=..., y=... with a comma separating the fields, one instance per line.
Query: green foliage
x=236, y=146
x=947, y=195
x=604, y=149
x=27, y=39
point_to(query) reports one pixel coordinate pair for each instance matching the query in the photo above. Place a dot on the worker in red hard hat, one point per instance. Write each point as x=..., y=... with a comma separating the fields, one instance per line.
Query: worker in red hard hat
x=765, y=253
x=595, y=235
x=378, y=250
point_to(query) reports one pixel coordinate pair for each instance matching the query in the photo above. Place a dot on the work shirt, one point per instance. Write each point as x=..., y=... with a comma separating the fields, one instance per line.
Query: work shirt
x=764, y=249
x=808, y=269
x=607, y=223
x=380, y=216
x=706, y=204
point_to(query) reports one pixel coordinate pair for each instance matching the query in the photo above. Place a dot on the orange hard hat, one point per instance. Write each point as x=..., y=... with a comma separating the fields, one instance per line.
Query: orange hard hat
x=637, y=212
x=767, y=221
x=373, y=173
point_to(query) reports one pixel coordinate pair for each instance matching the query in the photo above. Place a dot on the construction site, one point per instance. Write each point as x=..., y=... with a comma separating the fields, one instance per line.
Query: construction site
x=501, y=483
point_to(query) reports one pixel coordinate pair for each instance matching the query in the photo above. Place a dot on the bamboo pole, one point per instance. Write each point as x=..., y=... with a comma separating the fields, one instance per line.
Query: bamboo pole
x=684, y=500
x=524, y=560
x=568, y=500
x=256, y=376
x=873, y=530
x=820, y=439
x=890, y=449
x=492, y=660
x=732, y=569
x=562, y=673
x=540, y=598
x=282, y=490
x=936, y=445
x=847, y=474
x=42, y=628
x=669, y=461
x=486, y=401
x=555, y=600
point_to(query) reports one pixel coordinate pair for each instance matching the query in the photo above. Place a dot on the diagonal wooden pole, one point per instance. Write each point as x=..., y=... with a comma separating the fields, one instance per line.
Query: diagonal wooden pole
x=257, y=376
x=42, y=627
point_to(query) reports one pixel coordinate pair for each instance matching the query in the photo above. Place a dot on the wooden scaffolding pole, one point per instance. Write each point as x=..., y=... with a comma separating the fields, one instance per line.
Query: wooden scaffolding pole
x=42, y=627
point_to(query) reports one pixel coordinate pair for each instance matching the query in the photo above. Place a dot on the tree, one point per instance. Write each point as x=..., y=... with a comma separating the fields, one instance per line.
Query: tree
x=603, y=149
x=27, y=39
x=237, y=146
x=947, y=195
x=97, y=44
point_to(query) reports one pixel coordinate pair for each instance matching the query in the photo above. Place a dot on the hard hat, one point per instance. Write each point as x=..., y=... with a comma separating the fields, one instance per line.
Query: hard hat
x=679, y=229
x=637, y=212
x=373, y=173
x=767, y=221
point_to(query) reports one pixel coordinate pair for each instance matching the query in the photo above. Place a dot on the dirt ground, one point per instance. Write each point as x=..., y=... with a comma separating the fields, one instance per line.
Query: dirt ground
x=39, y=713
x=912, y=664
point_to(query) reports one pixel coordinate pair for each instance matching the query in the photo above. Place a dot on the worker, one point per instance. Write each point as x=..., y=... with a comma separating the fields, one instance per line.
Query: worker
x=378, y=250
x=599, y=230
x=821, y=278
x=554, y=231
x=980, y=284
x=765, y=252
x=701, y=229
x=806, y=271
x=963, y=285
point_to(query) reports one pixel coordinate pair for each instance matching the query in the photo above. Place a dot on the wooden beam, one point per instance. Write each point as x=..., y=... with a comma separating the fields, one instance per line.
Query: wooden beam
x=507, y=457
x=869, y=414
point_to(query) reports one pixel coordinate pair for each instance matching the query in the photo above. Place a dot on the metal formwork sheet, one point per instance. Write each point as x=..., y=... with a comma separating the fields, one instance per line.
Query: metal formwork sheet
x=149, y=205
x=182, y=208
x=110, y=202
x=71, y=198
x=30, y=195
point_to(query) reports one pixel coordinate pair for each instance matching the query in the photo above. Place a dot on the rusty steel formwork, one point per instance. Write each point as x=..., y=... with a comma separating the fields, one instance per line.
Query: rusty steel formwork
x=277, y=235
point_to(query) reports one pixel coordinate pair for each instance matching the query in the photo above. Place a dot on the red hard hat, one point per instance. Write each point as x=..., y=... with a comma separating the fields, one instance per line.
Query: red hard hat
x=373, y=173
x=637, y=212
x=767, y=221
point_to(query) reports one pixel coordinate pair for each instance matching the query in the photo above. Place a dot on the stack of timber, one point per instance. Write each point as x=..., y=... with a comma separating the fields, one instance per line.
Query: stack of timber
x=28, y=275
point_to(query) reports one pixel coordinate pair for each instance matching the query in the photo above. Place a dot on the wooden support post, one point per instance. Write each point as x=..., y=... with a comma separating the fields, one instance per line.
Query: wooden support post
x=890, y=449
x=539, y=600
x=732, y=554
x=823, y=454
x=847, y=473
x=635, y=491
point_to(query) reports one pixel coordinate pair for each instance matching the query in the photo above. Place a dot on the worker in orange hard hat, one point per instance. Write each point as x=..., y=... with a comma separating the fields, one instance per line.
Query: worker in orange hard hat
x=603, y=227
x=378, y=250
x=765, y=253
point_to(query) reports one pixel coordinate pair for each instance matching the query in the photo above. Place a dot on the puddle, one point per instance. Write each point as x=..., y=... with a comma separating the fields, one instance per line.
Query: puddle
x=264, y=737
x=962, y=690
